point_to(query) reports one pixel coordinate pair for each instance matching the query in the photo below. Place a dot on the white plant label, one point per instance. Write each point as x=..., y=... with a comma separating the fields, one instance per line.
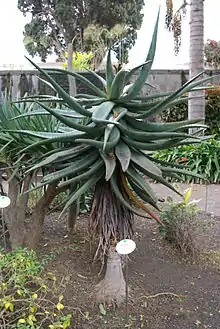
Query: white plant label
x=125, y=247
x=4, y=201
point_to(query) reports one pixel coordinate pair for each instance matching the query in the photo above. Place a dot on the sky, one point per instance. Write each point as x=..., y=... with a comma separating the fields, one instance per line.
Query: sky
x=12, y=23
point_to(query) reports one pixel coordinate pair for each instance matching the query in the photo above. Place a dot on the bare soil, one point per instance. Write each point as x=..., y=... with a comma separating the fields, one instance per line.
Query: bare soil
x=167, y=292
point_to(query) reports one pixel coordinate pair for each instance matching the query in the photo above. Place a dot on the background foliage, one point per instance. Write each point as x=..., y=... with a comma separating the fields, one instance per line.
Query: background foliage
x=203, y=159
x=212, y=53
x=81, y=61
x=54, y=24
x=212, y=115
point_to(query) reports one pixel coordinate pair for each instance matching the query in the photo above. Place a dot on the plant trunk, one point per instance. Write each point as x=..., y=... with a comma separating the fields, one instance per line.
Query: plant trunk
x=111, y=290
x=196, y=106
x=72, y=215
x=71, y=79
x=73, y=212
x=112, y=222
x=33, y=234
x=14, y=215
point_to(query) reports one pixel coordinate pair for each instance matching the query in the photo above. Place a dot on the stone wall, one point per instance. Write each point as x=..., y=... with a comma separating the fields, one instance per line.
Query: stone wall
x=17, y=83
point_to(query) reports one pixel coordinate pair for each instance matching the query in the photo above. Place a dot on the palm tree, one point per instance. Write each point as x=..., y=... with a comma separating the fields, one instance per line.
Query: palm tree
x=19, y=181
x=196, y=105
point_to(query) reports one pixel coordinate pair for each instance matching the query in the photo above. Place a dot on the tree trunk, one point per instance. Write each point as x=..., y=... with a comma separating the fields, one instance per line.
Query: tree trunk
x=111, y=221
x=72, y=216
x=14, y=215
x=73, y=211
x=111, y=290
x=196, y=106
x=72, y=81
x=33, y=234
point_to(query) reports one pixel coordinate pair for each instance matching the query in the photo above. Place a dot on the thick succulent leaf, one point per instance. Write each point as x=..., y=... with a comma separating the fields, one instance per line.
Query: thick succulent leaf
x=94, y=143
x=118, y=85
x=140, y=203
x=63, y=137
x=61, y=92
x=88, y=102
x=200, y=128
x=164, y=104
x=174, y=175
x=107, y=132
x=166, y=170
x=65, y=113
x=118, y=114
x=143, y=162
x=193, y=141
x=110, y=164
x=135, y=108
x=101, y=112
x=142, y=108
x=164, y=163
x=99, y=77
x=49, y=160
x=109, y=72
x=45, y=100
x=81, y=78
x=113, y=140
x=139, y=83
x=143, y=136
x=38, y=134
x=121, y=199
x=47, y=154
x=33, y=97
x=161, y=127
x=155, y=177
x=82, y=190
x=141, y=193
x=158, y=146
x=152, y=97
x=123, y=153
x=47, y=83
x=94, y=170
x=84, y=96
x=131, y=72
x=141, y=182
x=68, y=122
x=72, y=169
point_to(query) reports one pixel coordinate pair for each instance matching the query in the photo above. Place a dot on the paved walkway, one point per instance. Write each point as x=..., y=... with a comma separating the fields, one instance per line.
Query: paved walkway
x=209, y=195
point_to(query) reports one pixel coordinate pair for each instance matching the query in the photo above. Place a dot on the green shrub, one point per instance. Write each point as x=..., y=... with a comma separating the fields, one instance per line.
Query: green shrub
x=212, y=112
x=184, y=226
x=29, y=298
x=203, y=159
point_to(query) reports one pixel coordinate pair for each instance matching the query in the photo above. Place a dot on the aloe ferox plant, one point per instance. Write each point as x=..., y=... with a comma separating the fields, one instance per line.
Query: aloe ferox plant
x=112, y=152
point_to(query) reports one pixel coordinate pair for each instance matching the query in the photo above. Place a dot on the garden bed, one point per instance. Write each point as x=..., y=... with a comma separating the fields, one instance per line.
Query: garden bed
x=166, y=291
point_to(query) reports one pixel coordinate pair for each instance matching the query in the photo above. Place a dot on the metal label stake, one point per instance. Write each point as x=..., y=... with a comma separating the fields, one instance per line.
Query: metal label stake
x=126, y=247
